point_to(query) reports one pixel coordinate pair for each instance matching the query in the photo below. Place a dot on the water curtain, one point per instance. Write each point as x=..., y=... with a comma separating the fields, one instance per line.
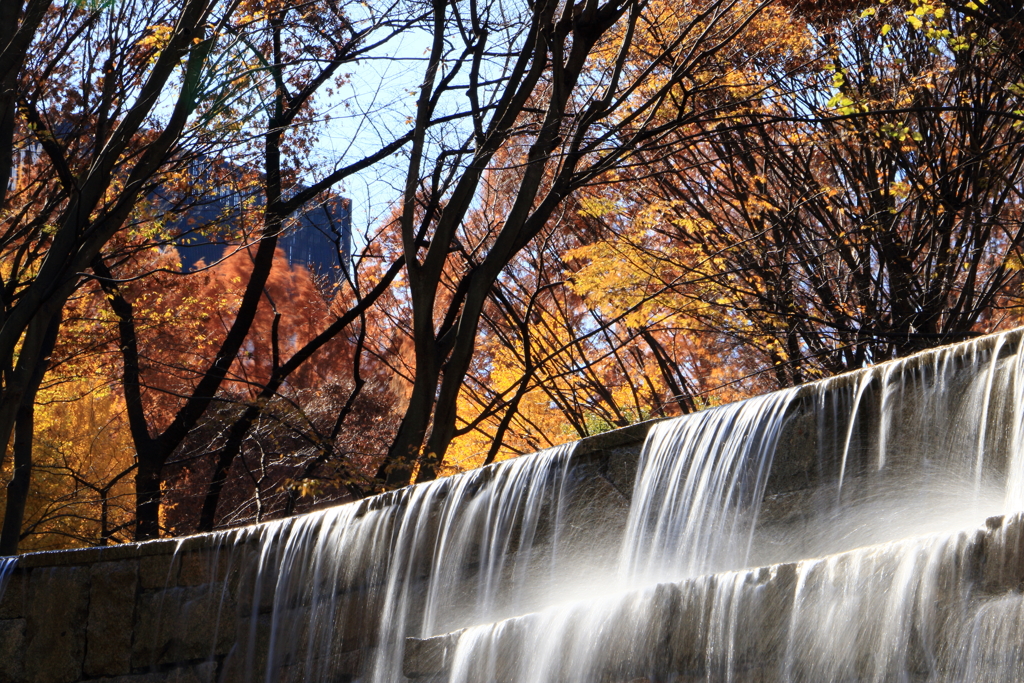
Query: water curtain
x=410, y=563
x=869, y=571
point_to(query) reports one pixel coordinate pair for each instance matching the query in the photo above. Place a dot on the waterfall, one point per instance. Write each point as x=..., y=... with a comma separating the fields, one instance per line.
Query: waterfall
x=7, y=565
x=410, y=563
x=868, y=527
x=869, y=571
x=700, y=484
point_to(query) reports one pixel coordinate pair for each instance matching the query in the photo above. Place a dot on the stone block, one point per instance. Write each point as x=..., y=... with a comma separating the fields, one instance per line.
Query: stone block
x=639, y=642
x=247, y=660
x=182, y=624
x=687, y=641
x=198, y=567
x=112, y=597
x=621, y=467
x=340, y=668
x=200, y=673
x=357, y=621
x=12, y=602
x=1002, y=549
x=12, y=650
x=429, y=656
x=762, y=606
x=255, y=587
x=295, y=640
x=159, y=571
x=795, y=465
x=593, y=524
x=348, y=664
x=58, y=604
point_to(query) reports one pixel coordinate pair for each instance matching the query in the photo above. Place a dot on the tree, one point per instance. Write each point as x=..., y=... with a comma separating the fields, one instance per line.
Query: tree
x=870, y=211
x=107, y=135
x=608, y=212
x=584, y=90
x=582, y=334
x=297, y=51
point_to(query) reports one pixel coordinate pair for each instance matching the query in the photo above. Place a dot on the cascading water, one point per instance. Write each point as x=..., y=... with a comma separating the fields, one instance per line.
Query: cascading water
x=414, y=562
x=887, y=545
x=936, y=453
x=7, y=565
x=699, y=486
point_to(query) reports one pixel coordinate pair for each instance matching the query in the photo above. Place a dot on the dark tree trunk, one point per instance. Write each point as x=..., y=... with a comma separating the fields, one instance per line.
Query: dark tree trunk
x=24, y=432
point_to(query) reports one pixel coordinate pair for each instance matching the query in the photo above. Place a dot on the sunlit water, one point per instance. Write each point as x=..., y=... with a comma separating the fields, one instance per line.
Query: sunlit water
x=423, y=560
x=875, y=579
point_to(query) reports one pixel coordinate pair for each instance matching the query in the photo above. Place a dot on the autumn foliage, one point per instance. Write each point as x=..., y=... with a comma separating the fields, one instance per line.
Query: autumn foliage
x=602, y=214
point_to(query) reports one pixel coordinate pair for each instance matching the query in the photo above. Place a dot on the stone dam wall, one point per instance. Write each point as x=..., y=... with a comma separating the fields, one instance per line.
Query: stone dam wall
x=180, y=610
x=173, y=611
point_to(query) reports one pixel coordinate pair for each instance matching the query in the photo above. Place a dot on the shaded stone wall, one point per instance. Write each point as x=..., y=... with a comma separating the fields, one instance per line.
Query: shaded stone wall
x=90, y=615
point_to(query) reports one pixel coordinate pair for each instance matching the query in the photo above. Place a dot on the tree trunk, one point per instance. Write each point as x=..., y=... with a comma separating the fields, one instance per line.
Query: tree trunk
x=24, y=431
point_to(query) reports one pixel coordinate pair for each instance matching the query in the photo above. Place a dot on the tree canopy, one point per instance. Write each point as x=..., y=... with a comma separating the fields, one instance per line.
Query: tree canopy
x=598, y=213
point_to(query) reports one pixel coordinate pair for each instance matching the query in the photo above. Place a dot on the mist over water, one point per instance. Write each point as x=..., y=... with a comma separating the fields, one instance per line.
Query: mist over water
x=894, y=510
